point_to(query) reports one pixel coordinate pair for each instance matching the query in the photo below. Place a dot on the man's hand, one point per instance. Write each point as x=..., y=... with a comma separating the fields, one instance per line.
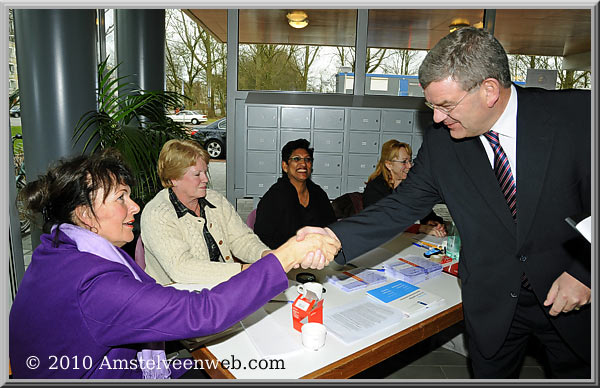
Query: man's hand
x=316, y=260
x=319, y=249
x=567, y=294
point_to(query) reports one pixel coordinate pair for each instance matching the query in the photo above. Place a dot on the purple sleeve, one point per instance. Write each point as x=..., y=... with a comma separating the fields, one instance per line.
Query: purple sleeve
x=120, y=310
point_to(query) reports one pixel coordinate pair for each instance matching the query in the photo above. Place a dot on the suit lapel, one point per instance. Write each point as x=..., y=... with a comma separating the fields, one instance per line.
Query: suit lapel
x=476, y=164
x=534, y=142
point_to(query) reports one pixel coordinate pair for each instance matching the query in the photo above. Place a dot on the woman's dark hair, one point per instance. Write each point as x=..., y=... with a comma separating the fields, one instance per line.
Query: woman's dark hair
x=293, y=145
x=73, y=182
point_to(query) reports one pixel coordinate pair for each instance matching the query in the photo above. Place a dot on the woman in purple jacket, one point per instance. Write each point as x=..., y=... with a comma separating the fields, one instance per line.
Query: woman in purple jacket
x=85, y=309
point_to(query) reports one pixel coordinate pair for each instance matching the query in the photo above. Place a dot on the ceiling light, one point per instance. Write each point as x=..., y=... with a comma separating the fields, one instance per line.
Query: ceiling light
x=297, y=19
x=458, y=23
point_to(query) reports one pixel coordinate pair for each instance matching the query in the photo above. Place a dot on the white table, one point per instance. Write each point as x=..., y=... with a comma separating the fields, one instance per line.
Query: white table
x=336, y=359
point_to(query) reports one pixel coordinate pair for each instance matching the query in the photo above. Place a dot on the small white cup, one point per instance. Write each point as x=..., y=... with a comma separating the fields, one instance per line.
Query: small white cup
x=313, y=335
x=317, y=288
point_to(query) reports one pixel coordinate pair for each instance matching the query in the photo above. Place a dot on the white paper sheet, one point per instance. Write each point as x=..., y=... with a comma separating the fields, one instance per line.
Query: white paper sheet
x=354, y=321
x=437, y=241
x=269, y=337
x=585, y=228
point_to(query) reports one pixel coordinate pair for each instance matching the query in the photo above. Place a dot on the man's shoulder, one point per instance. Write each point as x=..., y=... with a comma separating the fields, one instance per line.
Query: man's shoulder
x=559, y=96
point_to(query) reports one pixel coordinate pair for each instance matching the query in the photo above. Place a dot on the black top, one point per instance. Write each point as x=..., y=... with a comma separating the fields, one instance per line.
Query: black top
x=378, y=188
x=375, y=190
x=279, y=214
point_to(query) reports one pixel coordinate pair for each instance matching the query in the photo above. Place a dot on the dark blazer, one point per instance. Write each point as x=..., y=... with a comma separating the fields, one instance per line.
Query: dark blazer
x=553, y=182
x=279, y=213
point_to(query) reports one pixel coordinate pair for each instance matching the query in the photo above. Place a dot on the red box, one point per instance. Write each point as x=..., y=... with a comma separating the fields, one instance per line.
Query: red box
x=304, y=311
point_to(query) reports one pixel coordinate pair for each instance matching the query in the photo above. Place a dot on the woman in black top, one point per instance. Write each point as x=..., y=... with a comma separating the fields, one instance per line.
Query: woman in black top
x=294, y=200
x=392, y=169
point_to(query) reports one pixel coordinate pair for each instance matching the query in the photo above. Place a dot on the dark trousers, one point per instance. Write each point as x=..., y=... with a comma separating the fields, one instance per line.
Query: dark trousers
x=529, y=320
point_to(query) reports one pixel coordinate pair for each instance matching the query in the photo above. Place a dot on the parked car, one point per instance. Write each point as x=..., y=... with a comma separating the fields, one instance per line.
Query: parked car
x=213, y=137
x=188, y=116
x=15, y=111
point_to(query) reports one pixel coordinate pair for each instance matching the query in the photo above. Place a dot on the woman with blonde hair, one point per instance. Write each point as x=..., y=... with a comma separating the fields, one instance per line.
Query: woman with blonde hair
x=191, y=234
x=392, y=168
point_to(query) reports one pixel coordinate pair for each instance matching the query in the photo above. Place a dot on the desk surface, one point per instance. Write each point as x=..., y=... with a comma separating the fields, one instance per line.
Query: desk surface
x=337, y=360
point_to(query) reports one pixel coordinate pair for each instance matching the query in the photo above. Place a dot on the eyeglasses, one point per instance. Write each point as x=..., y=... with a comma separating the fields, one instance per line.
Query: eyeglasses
x=447, y=111
x=405, y=162
x=297, y=159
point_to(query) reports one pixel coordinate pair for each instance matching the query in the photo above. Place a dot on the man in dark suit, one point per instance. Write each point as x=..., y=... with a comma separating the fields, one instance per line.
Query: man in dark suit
x=524, y=271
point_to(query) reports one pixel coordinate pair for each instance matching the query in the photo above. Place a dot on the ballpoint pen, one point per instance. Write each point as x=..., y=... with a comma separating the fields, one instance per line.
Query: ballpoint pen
x=419, y=245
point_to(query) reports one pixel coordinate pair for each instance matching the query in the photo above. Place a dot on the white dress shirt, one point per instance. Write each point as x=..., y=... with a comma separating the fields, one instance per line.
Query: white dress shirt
x=506, y=127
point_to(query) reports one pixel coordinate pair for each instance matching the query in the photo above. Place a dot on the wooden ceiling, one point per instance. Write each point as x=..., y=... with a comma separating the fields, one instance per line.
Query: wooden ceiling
x=552, y=32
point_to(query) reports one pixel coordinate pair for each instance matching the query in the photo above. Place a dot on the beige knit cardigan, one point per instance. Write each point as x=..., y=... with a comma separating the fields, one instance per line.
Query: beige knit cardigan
x=175, y=249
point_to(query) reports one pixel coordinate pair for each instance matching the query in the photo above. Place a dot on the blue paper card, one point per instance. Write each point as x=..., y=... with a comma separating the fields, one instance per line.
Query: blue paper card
x=392, y=291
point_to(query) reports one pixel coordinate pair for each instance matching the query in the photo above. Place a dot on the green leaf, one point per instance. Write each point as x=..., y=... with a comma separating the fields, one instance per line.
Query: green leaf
x=133, y=121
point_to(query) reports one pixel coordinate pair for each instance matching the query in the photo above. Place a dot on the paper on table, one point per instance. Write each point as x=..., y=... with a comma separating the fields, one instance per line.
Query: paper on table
x=354, y=321
x=437, y=241
x=584, y=226
x=269, y=337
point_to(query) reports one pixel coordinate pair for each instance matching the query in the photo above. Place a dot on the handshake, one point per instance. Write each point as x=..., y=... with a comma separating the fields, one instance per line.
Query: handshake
x=312, y=247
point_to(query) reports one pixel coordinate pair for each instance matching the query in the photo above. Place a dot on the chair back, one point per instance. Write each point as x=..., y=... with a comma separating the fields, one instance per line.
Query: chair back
x=140, y=255
x=347, y=204
x=251, y=219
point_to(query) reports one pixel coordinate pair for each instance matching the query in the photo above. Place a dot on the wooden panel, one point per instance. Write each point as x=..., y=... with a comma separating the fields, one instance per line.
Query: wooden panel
x=208, y=358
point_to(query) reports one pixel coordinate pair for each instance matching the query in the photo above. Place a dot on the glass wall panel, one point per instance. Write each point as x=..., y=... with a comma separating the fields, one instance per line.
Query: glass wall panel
x=398, y=40
x=547, y=47
x=544, y=48
x=273, y=55
x=196, y=59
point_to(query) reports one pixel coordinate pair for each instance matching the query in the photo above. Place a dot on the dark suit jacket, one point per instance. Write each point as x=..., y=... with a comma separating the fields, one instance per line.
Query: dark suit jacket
x=378, y=188
x=553, y=182
x=279, y=213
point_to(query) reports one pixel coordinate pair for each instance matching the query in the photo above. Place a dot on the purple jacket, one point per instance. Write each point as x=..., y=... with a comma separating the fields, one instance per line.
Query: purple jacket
x=92, y=314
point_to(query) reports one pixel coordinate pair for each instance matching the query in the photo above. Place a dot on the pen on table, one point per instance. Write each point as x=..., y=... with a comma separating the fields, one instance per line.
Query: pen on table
x=419, y=245
x=427, y=244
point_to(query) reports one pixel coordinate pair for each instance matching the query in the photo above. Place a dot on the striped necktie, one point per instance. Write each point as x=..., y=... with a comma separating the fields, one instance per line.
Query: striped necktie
x=503, y=172
x=506, y=182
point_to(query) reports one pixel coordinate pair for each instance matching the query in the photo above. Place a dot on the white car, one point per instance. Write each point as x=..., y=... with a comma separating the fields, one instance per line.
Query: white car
x=188, y=116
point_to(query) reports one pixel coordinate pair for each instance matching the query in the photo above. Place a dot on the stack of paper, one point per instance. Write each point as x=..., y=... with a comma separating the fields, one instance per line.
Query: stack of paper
x=410, y=299
x=356, y=279
x=411, y=268
x=262, y=329
x=359, y=319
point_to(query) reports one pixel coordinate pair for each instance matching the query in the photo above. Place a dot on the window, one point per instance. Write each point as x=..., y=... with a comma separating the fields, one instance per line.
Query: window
x=196, y=58
x=275, y=56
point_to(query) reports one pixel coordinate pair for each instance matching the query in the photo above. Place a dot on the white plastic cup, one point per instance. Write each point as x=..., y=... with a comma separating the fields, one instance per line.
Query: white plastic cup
x=315, y=287
x=313, y=335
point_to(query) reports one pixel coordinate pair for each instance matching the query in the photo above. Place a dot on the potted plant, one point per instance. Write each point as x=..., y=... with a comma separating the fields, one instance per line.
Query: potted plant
x=133, y=121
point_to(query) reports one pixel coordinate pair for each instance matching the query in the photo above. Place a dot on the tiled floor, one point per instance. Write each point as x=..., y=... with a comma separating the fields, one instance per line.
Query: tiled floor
x=426, y=360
